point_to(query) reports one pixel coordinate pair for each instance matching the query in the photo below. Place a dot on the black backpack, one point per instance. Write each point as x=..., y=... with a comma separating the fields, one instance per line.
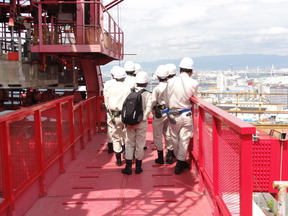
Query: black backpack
x=132, y=110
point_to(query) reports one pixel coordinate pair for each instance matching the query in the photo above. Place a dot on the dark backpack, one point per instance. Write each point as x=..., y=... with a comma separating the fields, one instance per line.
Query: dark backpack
x=132, y=110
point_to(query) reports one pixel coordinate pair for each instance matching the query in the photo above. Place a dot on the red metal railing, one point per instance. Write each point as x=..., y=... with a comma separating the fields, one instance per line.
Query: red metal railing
x=33, y=140
x=222, y=150
x=65, y=30
x=101, y=115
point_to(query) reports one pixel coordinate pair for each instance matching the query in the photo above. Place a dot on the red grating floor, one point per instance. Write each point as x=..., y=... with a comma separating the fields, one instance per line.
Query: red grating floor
x=94, y=186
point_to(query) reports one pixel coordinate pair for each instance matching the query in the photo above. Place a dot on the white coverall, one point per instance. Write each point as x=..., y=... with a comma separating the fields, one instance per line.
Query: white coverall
x=130, y=81
x=161, y=125
x=179, y=91
x=136, y=134
x=116, y=96
x=107, y=85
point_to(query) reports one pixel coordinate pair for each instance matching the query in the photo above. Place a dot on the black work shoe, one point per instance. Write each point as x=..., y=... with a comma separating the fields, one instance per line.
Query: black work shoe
x=118, y=159
x=127, y=171
x=179, y=167
x=128, y=168
x=110, y=148
x=169, y=157
x=138, y=169
x=185, y=165
x=160, y=159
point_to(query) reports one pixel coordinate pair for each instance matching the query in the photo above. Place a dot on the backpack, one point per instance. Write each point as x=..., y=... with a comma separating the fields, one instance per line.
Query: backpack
x=132, y=110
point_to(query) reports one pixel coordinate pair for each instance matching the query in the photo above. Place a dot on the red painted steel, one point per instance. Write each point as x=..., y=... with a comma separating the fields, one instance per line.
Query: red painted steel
x=266, y=155
x=156, y=191
x=222, y=150
x=31, y=142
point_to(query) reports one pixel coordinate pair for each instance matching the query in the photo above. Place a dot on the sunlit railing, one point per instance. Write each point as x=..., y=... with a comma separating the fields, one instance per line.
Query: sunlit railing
x=37, y=138
x=261, y=107
x=222, y=152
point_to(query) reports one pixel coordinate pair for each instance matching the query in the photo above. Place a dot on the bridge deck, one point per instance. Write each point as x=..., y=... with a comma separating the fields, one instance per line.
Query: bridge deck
x=94, y=185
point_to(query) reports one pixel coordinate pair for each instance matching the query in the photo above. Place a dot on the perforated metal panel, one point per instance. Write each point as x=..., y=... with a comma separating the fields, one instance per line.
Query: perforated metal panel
x=266, y=163
x=207, y=136
x=229, y=167
x=77, y=120
x=65, y=125
x=23, y=150
x=49, y=133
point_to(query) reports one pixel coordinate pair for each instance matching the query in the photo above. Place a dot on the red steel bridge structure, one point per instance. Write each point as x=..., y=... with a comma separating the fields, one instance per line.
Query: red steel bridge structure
x=53, y=150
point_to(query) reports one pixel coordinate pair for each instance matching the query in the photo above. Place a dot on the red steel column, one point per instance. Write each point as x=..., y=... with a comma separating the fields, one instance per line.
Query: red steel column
x=39, y=144
x=7, y=168
x=245, y=174
x=60, y=137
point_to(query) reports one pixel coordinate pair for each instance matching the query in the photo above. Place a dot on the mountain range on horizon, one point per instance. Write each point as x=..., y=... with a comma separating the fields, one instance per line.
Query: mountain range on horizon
x=221, y=62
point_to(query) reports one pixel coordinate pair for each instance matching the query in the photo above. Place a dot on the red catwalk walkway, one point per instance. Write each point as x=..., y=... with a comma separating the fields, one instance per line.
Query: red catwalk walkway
x=94, y=186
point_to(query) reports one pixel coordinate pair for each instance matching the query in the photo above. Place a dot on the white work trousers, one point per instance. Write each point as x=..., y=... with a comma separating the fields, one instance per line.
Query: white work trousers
x=181, y=133
x=136, y=140
x=109, y=126
x=161, y=127
x=117, y=134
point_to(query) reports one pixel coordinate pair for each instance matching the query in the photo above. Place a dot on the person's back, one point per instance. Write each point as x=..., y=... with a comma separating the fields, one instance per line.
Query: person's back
x=116, y=95
x=129, y=67
x=136, y=134
x=107, y=85
x=179, y=91
x=160, y=121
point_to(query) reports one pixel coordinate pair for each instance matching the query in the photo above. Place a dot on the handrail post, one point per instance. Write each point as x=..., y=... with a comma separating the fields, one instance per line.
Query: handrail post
x=71, y=126
x=201, y=152
x=60, y=137
x=7, y=169
x=39, y=144
x=245, y=173
x=215, y=131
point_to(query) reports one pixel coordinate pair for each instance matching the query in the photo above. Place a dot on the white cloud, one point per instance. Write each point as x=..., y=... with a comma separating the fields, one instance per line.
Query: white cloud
x=168, y=29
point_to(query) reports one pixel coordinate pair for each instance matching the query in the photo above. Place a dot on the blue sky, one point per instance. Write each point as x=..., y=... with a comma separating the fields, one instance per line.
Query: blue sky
x=170, y=29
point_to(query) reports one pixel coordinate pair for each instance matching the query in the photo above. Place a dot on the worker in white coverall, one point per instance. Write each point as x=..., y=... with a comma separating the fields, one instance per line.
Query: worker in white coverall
x=136, y=134
x=160, y=121
x=179, y=91
x=171, y=70
x=129, y=67
x=107, y=85
x=138, y=68
x=116, y=96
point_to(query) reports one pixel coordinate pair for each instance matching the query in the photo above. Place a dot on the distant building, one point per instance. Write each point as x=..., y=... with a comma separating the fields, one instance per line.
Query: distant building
x=279, y=99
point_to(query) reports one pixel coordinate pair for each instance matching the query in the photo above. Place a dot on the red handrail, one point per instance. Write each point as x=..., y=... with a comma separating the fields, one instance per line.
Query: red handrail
x=222, y=151
x=32, y=141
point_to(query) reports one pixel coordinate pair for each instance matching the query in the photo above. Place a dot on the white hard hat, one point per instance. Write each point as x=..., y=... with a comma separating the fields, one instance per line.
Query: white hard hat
x=142, y=77
x=119, y=73
x=129, y=66
x=171, y=69
x=113, y=69
x=138, y=68
x=162, y=71
x=186, y=63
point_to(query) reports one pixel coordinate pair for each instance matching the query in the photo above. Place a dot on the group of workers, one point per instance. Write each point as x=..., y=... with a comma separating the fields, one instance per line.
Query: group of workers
x=170, y=105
